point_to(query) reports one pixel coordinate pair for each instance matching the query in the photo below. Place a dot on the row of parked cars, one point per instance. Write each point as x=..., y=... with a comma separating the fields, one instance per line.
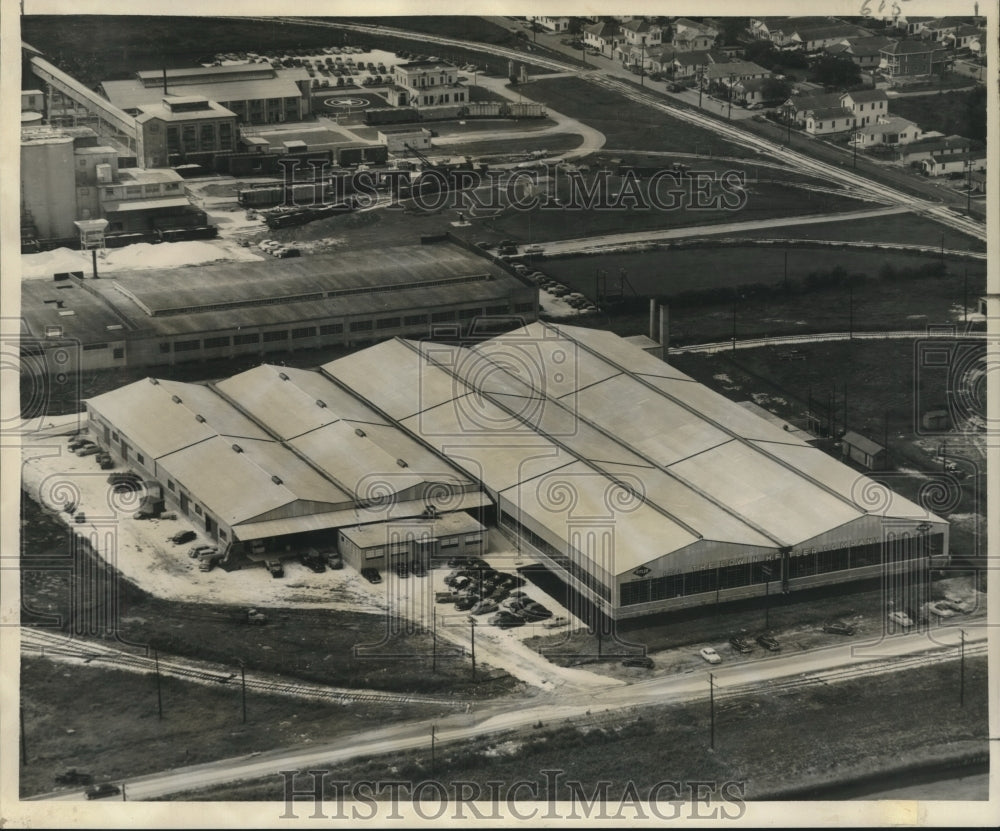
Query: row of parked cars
x=478, y=588
x=278, y=249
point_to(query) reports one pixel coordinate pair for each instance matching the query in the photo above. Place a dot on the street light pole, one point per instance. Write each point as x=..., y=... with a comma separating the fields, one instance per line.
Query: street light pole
x=434, y=640
x=472, y=624
x=243, y=680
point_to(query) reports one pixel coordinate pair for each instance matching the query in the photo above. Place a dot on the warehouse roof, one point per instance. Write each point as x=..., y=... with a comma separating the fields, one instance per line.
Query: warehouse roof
x=446, y=525
x=544, y=405
x=203, y=299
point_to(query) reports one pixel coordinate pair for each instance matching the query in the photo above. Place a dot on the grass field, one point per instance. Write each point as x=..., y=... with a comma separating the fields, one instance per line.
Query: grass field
x=865, y=725
x=666, y=273
x=105, y=722
x=626, y=123
x=895, y=228
x=765, y=200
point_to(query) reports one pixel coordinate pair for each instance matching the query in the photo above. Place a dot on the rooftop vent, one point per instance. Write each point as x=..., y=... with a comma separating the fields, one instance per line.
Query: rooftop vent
x=237, y=448
x=359, y=432
x=200, y=417
x=320, y=402
x=282, y=376
x=153, y=381
x=401, y=463
x=276, y=479
x=176, y=399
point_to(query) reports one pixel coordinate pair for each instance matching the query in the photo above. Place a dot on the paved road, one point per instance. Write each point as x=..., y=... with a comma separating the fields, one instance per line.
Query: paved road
x=828, y=665
x=795, y=340
x=616, y=241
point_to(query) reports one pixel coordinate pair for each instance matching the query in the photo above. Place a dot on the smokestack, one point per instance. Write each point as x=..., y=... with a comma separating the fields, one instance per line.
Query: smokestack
x=652, y=318
x=164, y=80
x=664, y=331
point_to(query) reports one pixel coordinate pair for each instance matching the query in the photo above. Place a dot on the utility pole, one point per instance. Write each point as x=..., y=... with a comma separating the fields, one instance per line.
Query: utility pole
x=432, y=749
x=434, y=640
x=734, y=326
x=24, y=743
x=159, y=694
x=472, y=624
x=965, y=296
x=855, y=143
x=729, y=117
x=850, y=309
x=642, y=64
x=711, y=705
x=968, y=186
x=701, y=84
x=243, y=679
x=961, y=672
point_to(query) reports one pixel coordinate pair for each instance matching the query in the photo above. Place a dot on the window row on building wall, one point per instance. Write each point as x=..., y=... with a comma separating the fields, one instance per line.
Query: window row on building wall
x=747, y=574
x=196, y=137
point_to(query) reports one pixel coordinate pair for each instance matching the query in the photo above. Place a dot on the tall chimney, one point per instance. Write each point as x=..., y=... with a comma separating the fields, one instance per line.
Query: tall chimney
x=652, y=318
x=164, y=80
x=664, y=331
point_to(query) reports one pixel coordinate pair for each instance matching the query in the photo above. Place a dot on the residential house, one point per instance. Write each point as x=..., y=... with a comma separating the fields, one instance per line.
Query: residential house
x=964, y=37
x=687, y=65
x=553, y=24
x=779, y=30
x=602, y=35
x=815, y=37
x=974, y=160
x=913, y=25
x=732, y=71
x=865, y=52
x=886, y=130
x=750, y=92
x=639, y=32
x=828, y=120
x=866, y=104
x=940, y=28
x=799, y=104
x=938, y=146
x=690, y=36
x=913, y=58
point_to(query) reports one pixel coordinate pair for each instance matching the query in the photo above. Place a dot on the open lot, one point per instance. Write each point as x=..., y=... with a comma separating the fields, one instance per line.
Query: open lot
x=105, y=723
x=670, y=742
x=668, y=273
x=626, y=123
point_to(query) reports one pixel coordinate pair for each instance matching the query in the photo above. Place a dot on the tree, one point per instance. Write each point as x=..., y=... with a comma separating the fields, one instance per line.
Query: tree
x=838, y=73
x=732, y=30
x=975, y=114
x=761, y=52
x=775, y=89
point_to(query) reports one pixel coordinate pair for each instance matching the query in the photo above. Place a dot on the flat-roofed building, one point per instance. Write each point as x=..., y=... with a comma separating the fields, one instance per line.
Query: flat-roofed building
x=349, y=299
x=427, y=84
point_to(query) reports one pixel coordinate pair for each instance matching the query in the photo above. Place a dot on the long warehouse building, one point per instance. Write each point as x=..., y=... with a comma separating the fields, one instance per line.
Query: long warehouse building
x=641, y=489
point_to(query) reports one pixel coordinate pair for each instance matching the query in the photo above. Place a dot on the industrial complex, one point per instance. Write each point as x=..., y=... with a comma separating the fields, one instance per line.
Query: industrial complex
x=168, y=316
x=641, y=489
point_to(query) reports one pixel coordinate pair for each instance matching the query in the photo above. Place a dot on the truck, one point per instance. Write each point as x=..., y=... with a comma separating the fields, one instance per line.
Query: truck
x=275, y=568
x=255, y=618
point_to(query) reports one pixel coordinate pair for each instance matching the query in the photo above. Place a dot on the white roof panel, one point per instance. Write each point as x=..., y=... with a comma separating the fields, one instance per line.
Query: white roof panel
x=765, y=492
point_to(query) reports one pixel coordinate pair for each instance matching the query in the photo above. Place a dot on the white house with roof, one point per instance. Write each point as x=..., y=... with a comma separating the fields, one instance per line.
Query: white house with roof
x=553, y=24
x=867, y=105
x=604, y=36
x=886, y=130
x=690, y=35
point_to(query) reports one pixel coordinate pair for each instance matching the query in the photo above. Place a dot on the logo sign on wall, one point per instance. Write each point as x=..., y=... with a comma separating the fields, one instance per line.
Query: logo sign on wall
x=642, y=571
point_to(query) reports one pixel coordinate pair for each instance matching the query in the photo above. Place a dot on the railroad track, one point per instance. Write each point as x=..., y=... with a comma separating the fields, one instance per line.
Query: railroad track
x=47, y=644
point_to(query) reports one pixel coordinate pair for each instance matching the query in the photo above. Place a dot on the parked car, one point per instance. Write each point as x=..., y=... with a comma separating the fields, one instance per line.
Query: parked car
x=643, y=661
x=371, y=575
x=182, y=537
x=556, y=622
x=838, y=628
x=105, y=461
x=769, y=643
x=503, y=620
x=939, y=609
x=741, y=644
x=78, y=442
x=901, y=619
x=102, y=790
x=275, y=568
x=196, y=551
x=710, y=655
x=88, y=450
x=484, y=607
x=464, y=604
x=334, y=560
x=312, y=560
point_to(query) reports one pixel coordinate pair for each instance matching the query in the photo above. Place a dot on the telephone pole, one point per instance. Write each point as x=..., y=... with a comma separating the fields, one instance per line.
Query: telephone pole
x=472, y=625
x=243, y=679
x=159, y=693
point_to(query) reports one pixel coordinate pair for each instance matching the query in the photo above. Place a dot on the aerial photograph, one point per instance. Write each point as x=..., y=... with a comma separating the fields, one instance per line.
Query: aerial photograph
x=439, y=419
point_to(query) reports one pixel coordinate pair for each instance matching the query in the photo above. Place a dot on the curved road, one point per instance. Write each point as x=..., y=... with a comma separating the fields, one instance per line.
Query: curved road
x=796, y=160
x=792, y=340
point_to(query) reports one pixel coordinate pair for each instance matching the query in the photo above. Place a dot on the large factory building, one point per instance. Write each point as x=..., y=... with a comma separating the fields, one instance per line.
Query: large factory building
x=641, y=489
